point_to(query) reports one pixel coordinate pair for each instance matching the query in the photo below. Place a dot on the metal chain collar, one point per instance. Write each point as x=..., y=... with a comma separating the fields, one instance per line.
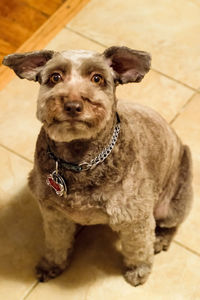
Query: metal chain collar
x=104, y=154
x=94, y=162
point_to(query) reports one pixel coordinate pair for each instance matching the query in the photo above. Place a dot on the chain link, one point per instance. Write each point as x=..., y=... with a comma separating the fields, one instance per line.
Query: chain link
x=104, y=154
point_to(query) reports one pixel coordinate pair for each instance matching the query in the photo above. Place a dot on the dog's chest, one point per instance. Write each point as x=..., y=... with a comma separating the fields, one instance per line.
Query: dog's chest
x=83, y=209
x=90, y=216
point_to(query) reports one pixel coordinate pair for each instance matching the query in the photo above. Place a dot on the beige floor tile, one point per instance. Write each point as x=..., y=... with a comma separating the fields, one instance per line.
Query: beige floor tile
x=169, y=30
x=18, y=124
x=95, y=273
x=66, y=40
x=20, y=228
x=187, y=125
x=13, y=175
x=158, y=92
x=188, y=122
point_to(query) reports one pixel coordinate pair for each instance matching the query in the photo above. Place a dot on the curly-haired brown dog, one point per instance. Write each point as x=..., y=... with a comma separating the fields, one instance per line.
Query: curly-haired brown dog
x=102, y=162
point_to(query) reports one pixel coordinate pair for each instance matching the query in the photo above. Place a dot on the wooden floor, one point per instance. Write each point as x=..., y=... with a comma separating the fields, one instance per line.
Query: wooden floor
x=19, y=19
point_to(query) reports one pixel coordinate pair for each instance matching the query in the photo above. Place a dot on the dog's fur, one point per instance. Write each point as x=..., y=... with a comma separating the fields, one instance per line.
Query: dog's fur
x=142, y=190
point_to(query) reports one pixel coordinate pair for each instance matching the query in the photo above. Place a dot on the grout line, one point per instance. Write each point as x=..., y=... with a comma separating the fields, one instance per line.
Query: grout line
x=86, y=37
x=176, y=80
x=16, y=153
x=35, y=284
x=155, y=70
x=182, y=109
x=187, y=248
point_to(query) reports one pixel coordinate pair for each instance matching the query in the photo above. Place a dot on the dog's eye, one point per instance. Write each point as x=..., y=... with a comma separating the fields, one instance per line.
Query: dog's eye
x=55, y=78
x=97, y=78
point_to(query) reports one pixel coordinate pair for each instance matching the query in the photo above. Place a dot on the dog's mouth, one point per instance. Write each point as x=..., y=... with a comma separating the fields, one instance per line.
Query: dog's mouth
x=73, y=122
x=68, y=130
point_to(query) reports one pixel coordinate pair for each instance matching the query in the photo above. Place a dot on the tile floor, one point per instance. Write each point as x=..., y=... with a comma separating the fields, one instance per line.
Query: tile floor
x=168, y=29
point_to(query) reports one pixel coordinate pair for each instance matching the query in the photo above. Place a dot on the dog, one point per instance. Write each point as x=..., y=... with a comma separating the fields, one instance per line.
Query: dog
x=103, y=161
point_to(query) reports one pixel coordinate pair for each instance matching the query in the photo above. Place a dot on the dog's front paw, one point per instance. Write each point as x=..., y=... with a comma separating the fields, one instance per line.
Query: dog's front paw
x=138, y=274
x=46, y=271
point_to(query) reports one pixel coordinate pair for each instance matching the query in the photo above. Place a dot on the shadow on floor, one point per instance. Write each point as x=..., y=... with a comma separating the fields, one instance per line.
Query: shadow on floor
x=22, y=242
x=21, y=237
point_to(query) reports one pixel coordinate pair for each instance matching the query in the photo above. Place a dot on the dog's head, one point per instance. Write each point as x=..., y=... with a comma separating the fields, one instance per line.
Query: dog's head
x=77, y=88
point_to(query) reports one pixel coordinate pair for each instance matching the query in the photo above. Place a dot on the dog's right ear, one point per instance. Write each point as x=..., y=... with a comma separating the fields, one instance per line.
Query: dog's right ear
x=28, y=65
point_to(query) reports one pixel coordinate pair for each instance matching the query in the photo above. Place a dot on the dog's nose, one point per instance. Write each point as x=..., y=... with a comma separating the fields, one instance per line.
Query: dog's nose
x=74, y=108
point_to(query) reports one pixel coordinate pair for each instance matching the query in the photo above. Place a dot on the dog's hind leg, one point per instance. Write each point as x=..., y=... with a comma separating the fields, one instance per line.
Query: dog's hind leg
x=178, y=207
x=59, y=236
x=164, y=237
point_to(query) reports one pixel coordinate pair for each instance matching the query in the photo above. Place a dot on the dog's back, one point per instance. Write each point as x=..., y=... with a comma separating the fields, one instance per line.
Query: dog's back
x=165, y=159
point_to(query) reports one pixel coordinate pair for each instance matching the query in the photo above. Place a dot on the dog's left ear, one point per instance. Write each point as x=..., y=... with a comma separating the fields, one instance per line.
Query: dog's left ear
x=28, y=65
x=128, y=65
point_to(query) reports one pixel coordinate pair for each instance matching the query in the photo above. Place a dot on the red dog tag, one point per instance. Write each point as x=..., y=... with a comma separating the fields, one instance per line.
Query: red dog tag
x=55, y=181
